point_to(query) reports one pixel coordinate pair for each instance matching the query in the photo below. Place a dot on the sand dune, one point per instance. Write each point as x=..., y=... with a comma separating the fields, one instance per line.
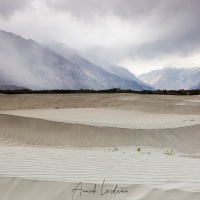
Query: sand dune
x=44, y=190
x=155, y=169
x=145, y=103
x=36, y=132
x=110, y=117
x=144, y=176
x=146, y=144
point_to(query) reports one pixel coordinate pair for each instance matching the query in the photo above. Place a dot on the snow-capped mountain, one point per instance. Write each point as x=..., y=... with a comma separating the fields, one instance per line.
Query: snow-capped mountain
x=172, y=78
x=26, y=63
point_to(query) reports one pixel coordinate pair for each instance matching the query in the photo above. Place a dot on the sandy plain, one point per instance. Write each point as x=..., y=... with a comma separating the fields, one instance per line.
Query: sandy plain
x=147, y=145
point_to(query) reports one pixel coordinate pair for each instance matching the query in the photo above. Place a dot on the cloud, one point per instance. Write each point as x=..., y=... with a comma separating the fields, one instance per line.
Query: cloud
x=88, y=8
x=128, y=9
x=9, y=7
x=165, y=27
x=116, y=30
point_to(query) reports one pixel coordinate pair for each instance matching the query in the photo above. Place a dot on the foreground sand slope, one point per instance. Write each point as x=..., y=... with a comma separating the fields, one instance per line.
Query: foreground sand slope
x=44, y=173
x=43, y=190
x=152, y=168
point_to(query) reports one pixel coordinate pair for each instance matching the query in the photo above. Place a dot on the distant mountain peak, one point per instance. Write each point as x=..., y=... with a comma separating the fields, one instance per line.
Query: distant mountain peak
x=172, y=78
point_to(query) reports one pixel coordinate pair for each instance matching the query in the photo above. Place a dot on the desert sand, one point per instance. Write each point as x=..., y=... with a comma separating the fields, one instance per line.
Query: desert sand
x=146, y=147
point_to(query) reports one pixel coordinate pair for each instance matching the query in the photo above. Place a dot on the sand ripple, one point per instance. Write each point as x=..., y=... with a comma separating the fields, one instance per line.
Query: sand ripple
x=163, y=172
x=110, y=117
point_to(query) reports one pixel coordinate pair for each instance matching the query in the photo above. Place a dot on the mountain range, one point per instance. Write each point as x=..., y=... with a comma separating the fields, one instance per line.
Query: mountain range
x=28, y=64
x=173, y=78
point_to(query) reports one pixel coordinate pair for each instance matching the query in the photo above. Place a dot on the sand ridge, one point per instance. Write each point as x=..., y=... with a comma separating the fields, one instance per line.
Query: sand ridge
x=110, y=117
x=36, y=132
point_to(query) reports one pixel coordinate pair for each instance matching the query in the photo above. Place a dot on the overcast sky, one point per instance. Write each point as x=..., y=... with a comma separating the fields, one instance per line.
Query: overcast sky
x=140, y=35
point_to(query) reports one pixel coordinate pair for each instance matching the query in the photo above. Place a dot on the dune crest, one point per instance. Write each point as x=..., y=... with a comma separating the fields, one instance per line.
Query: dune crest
x=110, y=117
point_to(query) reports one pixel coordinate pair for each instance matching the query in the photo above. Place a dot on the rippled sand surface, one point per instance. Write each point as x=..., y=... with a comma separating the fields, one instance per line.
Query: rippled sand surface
x=146, y=145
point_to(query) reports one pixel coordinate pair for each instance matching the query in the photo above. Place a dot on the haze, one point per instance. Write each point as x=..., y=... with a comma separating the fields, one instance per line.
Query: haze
x=140, y=35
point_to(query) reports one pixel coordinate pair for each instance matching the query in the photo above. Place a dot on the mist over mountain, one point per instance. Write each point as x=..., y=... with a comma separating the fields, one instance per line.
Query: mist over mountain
x=173, y=78
x=26, y=63
x=94, y=62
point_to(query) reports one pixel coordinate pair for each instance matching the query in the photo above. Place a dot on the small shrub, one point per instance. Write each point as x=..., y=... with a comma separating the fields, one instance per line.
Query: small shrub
x=169, y=153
